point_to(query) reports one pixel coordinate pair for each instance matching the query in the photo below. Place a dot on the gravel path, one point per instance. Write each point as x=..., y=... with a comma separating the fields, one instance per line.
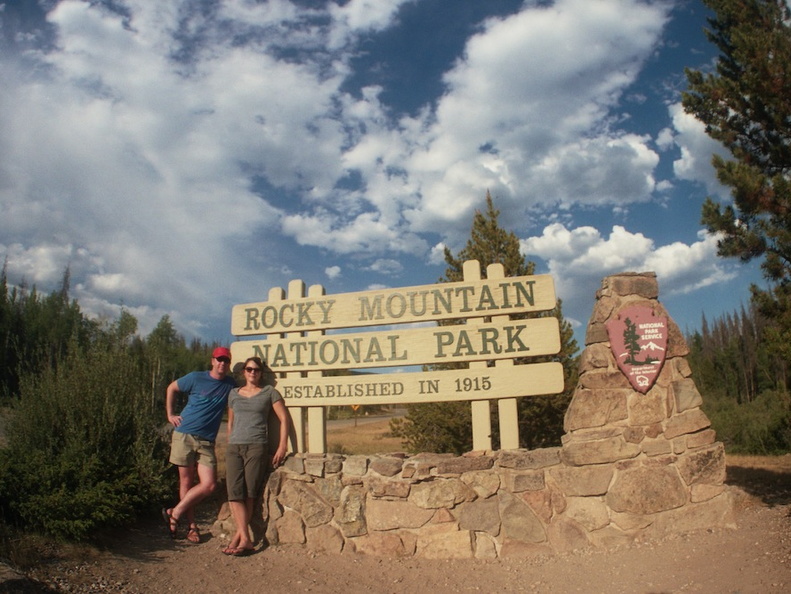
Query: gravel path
x=754, y=557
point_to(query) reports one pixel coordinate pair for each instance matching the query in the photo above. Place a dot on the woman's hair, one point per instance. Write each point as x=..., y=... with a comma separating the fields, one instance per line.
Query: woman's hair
x=256, y=360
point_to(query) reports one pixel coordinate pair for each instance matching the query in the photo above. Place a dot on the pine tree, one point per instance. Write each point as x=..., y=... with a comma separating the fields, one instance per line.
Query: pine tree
x=744, y=381
x=630, y=338
x=489, y=244
x=447, y=426
x=746, y=105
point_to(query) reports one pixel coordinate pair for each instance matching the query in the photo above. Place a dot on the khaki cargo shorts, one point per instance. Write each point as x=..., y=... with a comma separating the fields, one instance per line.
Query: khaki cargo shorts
x=187, y=449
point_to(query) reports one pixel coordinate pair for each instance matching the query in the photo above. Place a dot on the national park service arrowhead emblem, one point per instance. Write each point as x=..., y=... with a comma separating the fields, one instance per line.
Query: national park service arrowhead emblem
x=638, y=339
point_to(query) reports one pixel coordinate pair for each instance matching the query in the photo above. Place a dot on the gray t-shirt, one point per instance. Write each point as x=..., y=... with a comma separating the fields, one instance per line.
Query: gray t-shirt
x=251, y=415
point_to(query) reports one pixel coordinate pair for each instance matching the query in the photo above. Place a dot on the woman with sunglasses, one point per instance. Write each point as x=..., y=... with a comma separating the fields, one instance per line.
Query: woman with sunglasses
x=247, y=456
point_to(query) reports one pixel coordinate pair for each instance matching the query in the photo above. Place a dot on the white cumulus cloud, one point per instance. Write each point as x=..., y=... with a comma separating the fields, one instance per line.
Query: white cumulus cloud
x=579, y=258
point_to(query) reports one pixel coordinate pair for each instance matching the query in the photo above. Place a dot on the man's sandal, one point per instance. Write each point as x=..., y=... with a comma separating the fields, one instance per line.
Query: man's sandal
x=171, y=523
x=193, y=534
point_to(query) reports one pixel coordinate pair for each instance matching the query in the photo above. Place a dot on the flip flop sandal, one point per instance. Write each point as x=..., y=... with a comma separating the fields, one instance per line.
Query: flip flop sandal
x=193, y=534
x=171, y=523
x=242, y=552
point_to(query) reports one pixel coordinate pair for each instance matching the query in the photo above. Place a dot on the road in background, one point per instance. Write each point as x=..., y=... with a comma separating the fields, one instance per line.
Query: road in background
x=365, y=419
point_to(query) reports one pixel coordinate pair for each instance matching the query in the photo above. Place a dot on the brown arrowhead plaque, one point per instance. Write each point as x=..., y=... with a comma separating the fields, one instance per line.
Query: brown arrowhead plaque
x=638, y=339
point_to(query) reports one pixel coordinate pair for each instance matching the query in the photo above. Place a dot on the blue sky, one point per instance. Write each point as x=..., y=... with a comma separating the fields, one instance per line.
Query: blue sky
x=185, y=156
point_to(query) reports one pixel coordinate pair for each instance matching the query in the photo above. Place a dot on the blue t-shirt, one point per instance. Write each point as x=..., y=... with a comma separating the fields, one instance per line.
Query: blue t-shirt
x=206, y=401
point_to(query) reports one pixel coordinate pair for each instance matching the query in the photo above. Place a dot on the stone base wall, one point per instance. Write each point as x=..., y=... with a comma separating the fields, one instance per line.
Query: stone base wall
x=497, y=504
x=631, y=467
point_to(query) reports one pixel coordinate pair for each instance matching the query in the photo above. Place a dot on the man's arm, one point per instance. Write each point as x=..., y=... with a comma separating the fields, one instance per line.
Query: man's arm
x=170, y=401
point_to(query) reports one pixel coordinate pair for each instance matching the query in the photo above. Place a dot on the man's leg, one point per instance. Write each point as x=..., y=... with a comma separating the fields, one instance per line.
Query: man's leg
x=192, y=494
x=186, y=482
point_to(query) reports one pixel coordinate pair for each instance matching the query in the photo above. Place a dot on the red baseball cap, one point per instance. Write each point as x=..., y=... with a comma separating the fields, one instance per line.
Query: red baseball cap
x=221, y=352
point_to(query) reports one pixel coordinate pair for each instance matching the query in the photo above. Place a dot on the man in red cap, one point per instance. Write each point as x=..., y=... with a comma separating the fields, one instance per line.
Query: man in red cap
x=195, y=431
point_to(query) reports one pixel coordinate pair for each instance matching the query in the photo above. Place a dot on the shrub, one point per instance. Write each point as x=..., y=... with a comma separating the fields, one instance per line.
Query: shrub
x=435, y=427
x=761, y=426
x=84, y=451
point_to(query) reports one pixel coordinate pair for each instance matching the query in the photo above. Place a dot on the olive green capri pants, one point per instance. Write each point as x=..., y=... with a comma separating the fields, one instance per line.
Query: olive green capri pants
x=246, y=468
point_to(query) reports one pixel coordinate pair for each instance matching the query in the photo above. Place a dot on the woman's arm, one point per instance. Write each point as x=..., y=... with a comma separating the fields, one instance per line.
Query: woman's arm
x=230, y=421
x=282, y=414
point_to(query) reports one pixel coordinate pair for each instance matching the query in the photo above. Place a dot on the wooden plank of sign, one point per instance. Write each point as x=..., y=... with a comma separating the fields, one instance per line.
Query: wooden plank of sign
x=504, y=339
x=444, y=301
x=429, y=386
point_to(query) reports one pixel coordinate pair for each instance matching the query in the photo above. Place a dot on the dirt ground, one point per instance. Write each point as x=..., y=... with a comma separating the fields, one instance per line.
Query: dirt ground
x=754, y=557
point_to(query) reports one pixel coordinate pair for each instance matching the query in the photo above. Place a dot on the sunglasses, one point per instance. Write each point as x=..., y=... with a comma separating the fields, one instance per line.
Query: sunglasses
x=223, y=359
x=252, y=369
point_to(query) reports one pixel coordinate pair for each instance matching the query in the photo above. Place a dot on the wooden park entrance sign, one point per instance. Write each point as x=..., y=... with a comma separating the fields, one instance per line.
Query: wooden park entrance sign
x=638, y=459
x=290, y=333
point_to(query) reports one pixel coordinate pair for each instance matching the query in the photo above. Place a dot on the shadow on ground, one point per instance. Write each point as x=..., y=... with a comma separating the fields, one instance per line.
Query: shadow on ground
x=773, y=487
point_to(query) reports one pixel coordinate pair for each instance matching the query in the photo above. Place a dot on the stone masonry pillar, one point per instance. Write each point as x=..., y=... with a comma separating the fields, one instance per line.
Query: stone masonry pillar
x=669, y=469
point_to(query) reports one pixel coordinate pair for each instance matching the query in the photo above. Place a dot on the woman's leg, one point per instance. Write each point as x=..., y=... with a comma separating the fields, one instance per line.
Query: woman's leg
x=243, y=524
x=241, y=539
